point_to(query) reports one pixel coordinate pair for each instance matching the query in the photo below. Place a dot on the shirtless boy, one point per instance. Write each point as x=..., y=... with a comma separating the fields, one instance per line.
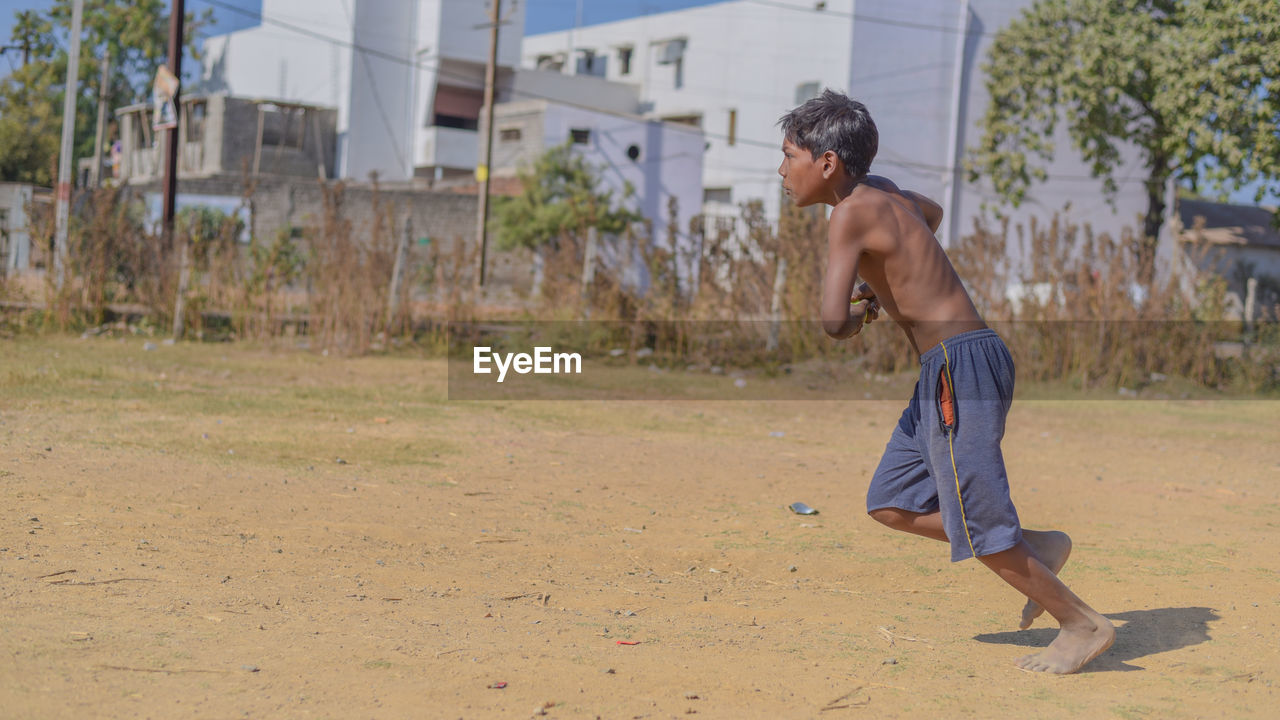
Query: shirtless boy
x=942, y=475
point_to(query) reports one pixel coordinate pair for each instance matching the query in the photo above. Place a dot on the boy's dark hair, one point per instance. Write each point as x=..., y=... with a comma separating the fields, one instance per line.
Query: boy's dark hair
x=834, y=121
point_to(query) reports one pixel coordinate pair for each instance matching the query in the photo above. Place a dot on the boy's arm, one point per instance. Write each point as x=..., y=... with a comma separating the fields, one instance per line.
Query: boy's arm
x=931, y=210
x=844, y=250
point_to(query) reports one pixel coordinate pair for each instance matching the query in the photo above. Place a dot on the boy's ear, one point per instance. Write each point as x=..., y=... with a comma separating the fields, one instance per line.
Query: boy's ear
x=831, y=164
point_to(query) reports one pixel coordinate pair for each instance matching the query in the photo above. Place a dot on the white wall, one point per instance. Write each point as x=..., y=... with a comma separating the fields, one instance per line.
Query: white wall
x=460, y=38
x=383, y=104
x=593, y=92
x=276, y=62
x=382, y=90
x=740, y=55
x=905, y=75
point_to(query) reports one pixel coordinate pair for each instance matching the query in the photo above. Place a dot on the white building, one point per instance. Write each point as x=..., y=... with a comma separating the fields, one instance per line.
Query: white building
x=406, y=76
x=731, y=68
x=735, y=67
x=916, y=64
x=657, y=160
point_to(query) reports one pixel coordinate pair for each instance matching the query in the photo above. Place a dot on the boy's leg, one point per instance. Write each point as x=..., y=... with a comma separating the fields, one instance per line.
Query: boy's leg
x=1051, y=547
x=1085, y=633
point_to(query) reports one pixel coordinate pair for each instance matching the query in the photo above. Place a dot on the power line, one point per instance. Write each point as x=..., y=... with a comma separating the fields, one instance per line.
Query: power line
x=891, y=161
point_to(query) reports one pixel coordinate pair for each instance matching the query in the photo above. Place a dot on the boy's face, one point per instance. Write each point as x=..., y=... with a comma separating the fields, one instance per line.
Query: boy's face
x=803, y=176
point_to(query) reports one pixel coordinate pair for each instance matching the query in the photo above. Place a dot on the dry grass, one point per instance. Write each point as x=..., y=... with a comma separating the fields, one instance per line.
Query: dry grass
x=741, y=291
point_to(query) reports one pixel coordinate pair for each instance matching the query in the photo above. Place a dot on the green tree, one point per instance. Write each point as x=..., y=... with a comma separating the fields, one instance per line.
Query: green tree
x=136, y=34
x=1191, y=83
x=561, y=194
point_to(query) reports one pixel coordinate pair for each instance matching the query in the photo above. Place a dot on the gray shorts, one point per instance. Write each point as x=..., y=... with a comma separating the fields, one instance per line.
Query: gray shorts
x=944, y=454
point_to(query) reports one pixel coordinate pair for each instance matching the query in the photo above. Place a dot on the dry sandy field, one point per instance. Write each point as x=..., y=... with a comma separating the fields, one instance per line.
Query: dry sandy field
x=225, y=531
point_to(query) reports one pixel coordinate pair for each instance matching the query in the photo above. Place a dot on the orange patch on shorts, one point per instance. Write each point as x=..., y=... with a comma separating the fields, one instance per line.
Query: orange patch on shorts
x=946, y=399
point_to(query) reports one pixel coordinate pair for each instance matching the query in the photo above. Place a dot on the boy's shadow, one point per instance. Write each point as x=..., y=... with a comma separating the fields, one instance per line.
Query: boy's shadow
x=1143, y=632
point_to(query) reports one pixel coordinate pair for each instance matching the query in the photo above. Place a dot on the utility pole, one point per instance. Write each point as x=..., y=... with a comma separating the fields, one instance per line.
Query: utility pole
x=171, y=160
x=103, y=80
x=953, y=179
x=490, y=79
x=63, y=215
x=176, y=16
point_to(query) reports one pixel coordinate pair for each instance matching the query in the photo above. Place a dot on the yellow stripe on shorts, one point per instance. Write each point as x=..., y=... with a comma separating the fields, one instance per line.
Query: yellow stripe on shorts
x=946, y=366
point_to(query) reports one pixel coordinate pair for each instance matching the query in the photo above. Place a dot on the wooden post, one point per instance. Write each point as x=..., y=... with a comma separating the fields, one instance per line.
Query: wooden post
x=1250, y=302
x=257, y=144
x=589, y=260
x=99, y=137
x=184, y=282
x=775, y=306
x=397, y=271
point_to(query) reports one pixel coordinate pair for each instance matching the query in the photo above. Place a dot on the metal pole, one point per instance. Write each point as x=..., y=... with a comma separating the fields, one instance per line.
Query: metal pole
x=176, y=14
x=951, y=194
x=102, y=117
x=63, y=215
x=570, y=61
x=490, y=79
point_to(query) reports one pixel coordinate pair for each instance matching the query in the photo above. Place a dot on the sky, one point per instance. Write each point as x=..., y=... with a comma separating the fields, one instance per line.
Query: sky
x=540, y=16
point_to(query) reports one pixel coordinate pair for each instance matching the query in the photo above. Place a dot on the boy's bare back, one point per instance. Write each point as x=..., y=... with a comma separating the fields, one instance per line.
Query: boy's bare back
x=886, y=235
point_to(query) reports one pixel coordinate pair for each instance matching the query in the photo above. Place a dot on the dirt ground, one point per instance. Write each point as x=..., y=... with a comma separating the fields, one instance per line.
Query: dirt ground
x=222, y=531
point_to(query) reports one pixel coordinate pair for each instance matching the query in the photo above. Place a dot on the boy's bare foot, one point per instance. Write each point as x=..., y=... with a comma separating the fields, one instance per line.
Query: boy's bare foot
x=1073, y=648
x=1053, y=548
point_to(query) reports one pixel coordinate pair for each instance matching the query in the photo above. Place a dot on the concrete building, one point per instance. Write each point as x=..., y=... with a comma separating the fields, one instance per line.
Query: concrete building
x=731, y=68
x=406, y=76
x=917, y=66
x=219, y=135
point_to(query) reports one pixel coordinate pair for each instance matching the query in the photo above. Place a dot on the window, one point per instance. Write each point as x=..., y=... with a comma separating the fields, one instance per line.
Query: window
x=717, y=195
x=457, y=107
x=733, y=127
x=580, y=136
x=807, y=91
x=553, y=63
x=590, y=64
x=282, y=126
x=195, y=121
x=694, y=120
x=624, y=60
x=142, y=135
x=510, y=134
x=671, y=52
x=459, y=123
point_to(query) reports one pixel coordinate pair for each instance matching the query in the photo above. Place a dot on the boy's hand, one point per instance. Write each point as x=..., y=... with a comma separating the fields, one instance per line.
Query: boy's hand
x=864, y=298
